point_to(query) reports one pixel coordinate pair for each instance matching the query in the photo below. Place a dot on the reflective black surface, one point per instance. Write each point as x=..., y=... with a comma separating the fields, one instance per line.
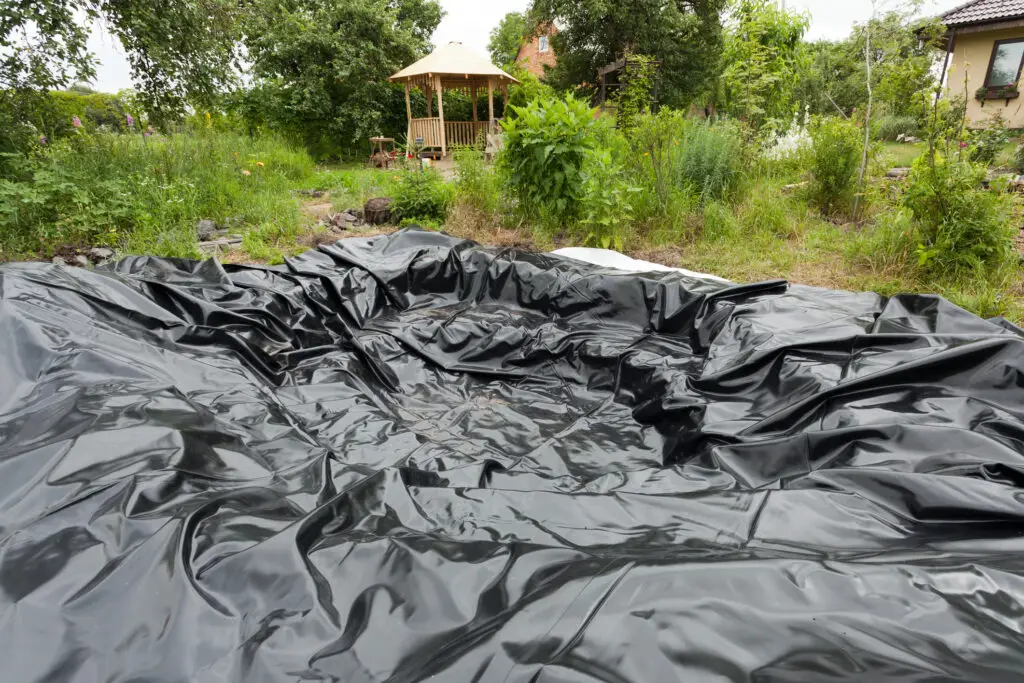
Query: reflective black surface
x=408, y=458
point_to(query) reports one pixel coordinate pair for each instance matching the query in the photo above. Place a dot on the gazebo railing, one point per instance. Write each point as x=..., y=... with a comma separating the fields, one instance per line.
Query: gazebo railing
x=468, y=133
x=429, y=130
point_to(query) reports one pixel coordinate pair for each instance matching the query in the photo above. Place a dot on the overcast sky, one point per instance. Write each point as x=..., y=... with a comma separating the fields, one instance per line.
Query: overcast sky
x=471, y=21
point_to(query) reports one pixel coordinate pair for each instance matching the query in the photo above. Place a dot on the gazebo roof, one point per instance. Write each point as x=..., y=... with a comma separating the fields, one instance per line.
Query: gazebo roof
x=457, y=66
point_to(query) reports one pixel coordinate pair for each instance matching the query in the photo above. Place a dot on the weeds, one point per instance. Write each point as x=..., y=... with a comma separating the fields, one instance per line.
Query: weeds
x=145, y=195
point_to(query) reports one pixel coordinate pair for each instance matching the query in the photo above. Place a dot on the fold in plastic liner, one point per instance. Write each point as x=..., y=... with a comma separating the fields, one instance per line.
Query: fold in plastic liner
x=410, y=458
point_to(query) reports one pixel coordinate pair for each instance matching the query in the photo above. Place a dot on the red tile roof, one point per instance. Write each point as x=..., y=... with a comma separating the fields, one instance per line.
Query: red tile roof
x=984, y=12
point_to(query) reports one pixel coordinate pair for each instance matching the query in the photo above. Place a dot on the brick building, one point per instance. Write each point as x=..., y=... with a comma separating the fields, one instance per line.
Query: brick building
x=538, y=53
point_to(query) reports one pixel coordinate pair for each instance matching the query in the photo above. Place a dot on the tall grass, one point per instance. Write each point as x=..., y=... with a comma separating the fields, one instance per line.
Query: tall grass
x=145, y=195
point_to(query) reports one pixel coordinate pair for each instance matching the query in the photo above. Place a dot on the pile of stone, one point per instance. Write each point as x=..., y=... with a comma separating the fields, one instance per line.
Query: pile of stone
x=343, y=222
x=97, y=256
x=214, y=238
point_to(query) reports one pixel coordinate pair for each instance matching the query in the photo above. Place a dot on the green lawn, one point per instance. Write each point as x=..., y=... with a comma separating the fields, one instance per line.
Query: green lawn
x=900, y=154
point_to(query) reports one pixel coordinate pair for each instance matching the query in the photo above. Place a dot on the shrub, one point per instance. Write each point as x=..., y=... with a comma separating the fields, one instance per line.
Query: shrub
x=546, y=147
x=423, y=195
x=710, y=159
x=1018, y=159
x=961, y=226
x=528, y=90
x=890, y=128
x=475, y=183
x=835, y=153
x=985, y=144
x=671, y=151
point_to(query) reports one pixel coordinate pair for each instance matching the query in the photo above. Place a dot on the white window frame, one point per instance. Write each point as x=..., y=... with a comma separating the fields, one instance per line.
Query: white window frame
x=543, y=44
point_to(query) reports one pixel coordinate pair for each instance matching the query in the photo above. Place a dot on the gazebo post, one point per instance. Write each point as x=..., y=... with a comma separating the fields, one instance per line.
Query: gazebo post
x=429, y=92
x=440, y=113
x=490, y=102
x=473, y=95
x=408, y=116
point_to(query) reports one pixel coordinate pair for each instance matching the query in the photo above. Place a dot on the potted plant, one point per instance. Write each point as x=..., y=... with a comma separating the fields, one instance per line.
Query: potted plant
x=1002, y=92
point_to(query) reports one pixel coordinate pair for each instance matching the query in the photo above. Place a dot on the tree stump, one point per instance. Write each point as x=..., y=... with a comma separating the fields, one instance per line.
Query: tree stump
x=378, y=211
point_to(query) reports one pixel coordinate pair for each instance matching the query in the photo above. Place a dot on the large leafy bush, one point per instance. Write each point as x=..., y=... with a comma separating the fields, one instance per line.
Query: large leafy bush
x=547, y=145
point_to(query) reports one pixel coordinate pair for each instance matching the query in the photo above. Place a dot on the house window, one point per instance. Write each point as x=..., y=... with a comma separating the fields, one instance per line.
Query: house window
x=1007, y=58
x=544, y=44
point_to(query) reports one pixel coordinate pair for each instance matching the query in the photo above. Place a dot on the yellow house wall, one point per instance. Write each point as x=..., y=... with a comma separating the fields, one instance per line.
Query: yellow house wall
x=975, y=51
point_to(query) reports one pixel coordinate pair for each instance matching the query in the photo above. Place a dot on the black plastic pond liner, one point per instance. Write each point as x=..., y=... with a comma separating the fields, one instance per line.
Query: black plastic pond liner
x=409, y=458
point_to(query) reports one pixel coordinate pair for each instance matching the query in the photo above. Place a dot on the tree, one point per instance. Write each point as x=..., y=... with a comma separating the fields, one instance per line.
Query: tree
x=506, y=39
x=685, y=35
x=764, y=51
x=179, y=50
x=321, y=66
x=903, y=54
x=902, y=57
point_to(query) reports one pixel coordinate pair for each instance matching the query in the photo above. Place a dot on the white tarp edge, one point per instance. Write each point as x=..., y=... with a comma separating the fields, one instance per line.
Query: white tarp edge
x=613, y=259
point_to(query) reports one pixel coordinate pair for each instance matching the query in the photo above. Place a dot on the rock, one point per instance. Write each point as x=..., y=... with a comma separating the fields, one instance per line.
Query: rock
x=787, y=189
x=901, y=172
x=907, y=139
x=205, y=230
x=80, y=260
x=101, y=253
x=58, y=261
x=216, y=245
x=378, y=211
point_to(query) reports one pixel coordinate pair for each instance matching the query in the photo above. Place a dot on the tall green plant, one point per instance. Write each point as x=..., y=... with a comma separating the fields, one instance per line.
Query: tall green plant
x=546, y=147
x=963, y=227
x=834, y=160
x=608, y=209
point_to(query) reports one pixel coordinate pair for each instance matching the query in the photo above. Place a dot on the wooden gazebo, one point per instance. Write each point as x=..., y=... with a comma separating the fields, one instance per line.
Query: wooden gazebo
x=451, y=67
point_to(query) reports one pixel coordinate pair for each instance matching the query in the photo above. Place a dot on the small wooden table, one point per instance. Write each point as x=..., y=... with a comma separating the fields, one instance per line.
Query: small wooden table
x=383, y=152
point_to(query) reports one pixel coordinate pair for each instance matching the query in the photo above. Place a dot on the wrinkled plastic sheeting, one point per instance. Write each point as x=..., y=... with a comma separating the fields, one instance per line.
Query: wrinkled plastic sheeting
x=410, y=458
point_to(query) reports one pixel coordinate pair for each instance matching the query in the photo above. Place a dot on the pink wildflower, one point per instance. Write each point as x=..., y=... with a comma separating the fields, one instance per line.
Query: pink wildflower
x=76, y=122
x=129, y=120
x=42, y=139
